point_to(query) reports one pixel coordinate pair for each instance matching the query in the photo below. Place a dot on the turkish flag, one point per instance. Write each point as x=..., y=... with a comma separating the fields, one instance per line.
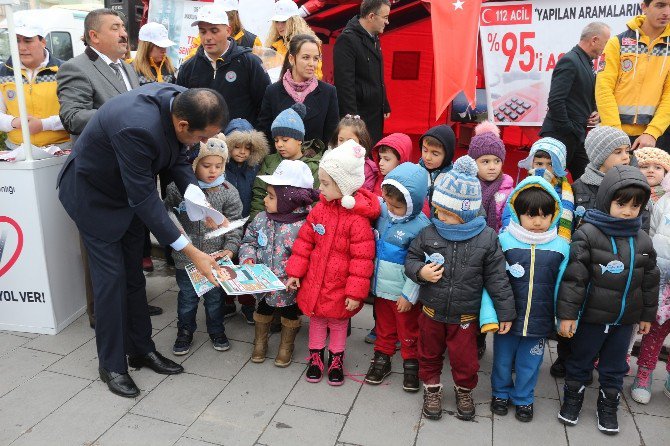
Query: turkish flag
x=455, y=26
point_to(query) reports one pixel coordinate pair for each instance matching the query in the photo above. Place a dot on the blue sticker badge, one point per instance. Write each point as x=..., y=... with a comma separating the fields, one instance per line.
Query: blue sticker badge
x=614, y=267
x=262, y=239
x=319, y=228
x=515, y=270
x=580, y=211
x=667, y=219
x=435, y=257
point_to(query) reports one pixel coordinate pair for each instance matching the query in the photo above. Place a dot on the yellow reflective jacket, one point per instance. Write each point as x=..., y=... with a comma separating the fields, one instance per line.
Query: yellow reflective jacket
x=633, y=89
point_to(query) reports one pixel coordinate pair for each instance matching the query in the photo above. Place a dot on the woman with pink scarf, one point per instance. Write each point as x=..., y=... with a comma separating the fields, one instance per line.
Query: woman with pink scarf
x=298, y=83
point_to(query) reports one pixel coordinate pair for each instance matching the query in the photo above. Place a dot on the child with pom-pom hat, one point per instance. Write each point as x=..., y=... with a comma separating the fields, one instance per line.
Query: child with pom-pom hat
x=452, y=261
x=333, y=258
x=488, y=150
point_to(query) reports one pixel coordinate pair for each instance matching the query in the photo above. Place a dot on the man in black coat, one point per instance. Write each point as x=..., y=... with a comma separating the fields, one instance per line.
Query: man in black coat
x=107, y=186
x=572, y=103
x=359, y=68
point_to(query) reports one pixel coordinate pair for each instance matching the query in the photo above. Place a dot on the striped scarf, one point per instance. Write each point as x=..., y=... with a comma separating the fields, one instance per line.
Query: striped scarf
x=564, y=190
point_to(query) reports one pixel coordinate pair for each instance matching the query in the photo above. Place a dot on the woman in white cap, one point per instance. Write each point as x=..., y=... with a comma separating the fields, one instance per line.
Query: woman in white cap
x=286, y=23
x=151, y=62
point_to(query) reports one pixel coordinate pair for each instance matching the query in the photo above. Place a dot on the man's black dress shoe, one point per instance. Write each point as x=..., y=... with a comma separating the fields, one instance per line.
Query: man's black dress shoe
x=154, y=311
x=156, y=362
x=119, y=383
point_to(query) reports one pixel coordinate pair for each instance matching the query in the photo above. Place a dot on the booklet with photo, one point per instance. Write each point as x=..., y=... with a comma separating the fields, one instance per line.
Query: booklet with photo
x=236, y=279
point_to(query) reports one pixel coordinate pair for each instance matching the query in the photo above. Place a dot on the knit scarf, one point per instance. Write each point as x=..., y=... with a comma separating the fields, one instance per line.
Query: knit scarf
x=298, y=90
x=592, y=176
x=292, y=203
x=489, y=189
x=612, y=226
x=218, y=182
x=531, y=238
x=458, y=233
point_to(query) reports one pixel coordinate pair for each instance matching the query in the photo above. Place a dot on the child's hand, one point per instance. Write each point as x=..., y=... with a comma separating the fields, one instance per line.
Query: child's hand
x=504, y=327
x=293, y=283
x=249, y=261
x=431, y=272
x=403, y=305
x=567, y=328
x=351, y=304
x=225, y=253
x=644, y=328
x=211, y=224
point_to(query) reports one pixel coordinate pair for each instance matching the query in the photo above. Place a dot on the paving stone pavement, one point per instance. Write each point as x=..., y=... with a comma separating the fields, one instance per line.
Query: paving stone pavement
x=50, y=394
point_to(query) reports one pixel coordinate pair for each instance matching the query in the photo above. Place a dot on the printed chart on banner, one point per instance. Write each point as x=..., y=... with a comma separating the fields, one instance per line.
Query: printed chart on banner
x=523, y=41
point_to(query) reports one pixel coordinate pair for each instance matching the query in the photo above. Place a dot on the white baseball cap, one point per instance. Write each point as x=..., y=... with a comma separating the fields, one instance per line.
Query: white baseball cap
x=284, y=10
x=213, y=14
x=155, y=33
x=228, y=5
x=290, y=173
x=27, y=28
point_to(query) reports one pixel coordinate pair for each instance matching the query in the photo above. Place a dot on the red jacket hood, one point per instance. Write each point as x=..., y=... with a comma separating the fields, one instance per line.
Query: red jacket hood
x=399, y=141
x=367, y=204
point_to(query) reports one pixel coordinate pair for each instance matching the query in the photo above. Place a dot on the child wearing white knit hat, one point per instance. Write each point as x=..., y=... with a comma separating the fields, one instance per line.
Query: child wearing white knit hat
x=333, y=258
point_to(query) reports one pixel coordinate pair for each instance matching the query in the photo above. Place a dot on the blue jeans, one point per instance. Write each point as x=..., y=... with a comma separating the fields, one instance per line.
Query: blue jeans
x=526, y=355
x=187, y=306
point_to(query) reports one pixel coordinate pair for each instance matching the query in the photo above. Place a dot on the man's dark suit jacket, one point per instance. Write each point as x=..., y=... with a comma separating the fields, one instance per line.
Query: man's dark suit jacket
x=572, y=95
x=110, y=174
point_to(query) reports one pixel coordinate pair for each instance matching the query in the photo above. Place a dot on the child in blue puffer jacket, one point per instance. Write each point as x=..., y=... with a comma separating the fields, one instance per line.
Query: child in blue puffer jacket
x=397, y=315
x=536, y=259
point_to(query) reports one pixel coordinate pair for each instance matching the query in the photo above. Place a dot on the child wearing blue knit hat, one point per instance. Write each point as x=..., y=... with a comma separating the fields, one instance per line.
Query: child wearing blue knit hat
x=288, y=132
x=452, y=261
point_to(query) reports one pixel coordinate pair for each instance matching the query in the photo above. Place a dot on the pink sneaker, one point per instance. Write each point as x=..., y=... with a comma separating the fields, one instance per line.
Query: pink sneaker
x=628, y=363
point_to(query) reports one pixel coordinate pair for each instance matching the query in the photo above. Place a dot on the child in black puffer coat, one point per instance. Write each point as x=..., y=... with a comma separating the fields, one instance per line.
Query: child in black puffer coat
x=610, y=284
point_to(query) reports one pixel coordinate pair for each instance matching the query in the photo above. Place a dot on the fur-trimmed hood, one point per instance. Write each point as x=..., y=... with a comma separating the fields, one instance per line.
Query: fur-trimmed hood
x=259, y=144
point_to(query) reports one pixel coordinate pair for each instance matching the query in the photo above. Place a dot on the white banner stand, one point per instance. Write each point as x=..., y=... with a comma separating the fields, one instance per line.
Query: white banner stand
x=41, y=271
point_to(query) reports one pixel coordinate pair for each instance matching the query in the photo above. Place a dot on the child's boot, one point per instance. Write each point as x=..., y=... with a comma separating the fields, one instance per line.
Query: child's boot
x=380, y=368
x=608, y=404
x=262, y=330
x=432, y=401
x=573, y=397
x=182, y=345
x=289, y=328
x=465, y=405
x=410, y=381
x=315, y=367
x=524, y=413
x=335, y=368
x=641, y=388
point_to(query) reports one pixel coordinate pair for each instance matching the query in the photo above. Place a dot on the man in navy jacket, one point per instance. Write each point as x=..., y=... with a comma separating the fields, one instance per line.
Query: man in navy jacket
x=107, y=186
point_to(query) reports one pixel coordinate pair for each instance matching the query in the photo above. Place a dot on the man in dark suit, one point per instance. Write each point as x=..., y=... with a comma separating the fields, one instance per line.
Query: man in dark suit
x=359, y=68
x=107, y=186
x=572, y=103
x=88, y=81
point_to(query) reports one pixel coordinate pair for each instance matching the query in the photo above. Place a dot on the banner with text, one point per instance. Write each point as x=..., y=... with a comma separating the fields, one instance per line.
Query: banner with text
x=521, y=43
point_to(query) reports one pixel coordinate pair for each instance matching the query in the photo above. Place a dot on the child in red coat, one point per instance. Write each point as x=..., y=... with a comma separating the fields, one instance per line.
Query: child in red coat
x=333, y=258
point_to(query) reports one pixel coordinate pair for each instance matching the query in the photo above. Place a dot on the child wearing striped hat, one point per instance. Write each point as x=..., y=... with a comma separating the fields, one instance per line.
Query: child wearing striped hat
x=452, y=261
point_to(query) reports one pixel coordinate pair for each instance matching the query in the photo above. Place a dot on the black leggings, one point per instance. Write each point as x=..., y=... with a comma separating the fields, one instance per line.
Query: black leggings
x=289, y=312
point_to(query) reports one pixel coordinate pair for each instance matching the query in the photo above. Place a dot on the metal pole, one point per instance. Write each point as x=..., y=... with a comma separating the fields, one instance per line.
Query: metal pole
x=18, y=80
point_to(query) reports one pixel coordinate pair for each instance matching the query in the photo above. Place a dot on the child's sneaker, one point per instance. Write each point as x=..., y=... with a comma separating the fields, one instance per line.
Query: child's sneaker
x=499, y=406
x=220, y=342
x=410, y=381
x=315, y=367
x=524, y=413
x=628, y=364
x=465, y=405
x=608, y=404
x=573, y=398
x=247, y=311
x=182, y=345
x=335, y=368
x=641, y=388
x=666, y=389
x=432, y=401
x=371, y=337
x=380, y=368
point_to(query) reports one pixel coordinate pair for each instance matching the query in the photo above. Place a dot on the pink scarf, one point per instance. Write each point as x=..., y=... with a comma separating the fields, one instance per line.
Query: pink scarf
x=298, y=90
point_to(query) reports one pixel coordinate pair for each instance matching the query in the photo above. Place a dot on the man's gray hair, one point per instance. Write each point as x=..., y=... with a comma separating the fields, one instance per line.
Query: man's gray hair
x=593, y=29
